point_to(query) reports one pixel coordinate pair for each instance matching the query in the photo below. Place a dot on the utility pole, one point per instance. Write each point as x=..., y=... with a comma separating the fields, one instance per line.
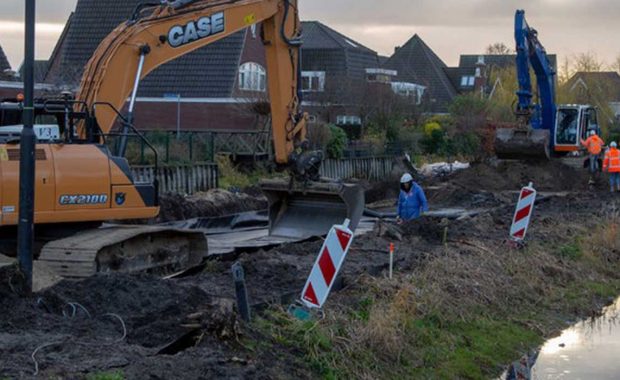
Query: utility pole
x=25, y=231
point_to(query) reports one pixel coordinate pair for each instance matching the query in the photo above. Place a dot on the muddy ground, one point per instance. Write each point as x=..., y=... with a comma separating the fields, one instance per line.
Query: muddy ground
x=187, y=327
x=214, y=203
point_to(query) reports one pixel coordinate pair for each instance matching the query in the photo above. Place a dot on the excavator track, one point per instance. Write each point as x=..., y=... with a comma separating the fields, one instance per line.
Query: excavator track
x=125, y=249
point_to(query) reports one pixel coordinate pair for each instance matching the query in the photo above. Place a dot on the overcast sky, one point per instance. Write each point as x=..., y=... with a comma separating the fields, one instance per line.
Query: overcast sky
x=449, y=27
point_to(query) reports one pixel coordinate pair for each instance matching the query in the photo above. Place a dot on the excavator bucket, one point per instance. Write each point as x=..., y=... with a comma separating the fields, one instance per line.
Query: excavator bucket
x=300, y=212
x=522, y=144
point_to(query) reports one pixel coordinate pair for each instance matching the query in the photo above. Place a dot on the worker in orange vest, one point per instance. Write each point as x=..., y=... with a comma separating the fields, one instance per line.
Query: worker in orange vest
x=594, y=145
x=611, y=164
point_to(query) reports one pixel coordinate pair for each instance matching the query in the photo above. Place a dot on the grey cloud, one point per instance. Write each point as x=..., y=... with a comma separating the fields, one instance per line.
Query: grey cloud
x=450, y=26
x=460, y=13
x=50, y=11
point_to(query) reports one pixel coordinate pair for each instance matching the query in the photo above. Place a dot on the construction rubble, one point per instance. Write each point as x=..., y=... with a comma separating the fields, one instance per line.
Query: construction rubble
x=149, y=326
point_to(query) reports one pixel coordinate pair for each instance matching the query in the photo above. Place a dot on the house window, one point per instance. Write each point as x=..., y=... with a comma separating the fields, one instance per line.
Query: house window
x=252, y=77
x=409, y=90
x=380, y=75
x=380, y=78
x=348, y=120
x=313, y=81
x=467, y=81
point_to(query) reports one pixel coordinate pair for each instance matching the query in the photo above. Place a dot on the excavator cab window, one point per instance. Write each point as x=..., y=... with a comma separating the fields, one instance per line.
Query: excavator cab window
x=568, y=125
x=591, y=121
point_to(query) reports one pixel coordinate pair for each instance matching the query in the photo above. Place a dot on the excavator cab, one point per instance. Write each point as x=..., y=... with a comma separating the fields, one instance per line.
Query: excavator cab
x=572, y=125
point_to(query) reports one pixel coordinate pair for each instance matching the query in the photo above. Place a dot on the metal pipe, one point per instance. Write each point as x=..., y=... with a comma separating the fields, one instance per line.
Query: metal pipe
x=122, y=149
x=178, y=116
x=25, y=232
x=136, y=84
x=241, y=292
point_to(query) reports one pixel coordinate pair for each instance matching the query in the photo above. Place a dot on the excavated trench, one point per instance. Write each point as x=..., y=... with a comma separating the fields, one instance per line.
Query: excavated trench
x=188, y=327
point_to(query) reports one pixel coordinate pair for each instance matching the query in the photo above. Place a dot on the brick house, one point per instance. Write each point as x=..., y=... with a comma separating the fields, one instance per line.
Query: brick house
x=5, y=67
x=475, y=72
x=333, y=74
x=340, y=76
x=211, y=88
x=8, y=88
x=416, y=63
x=588, y=85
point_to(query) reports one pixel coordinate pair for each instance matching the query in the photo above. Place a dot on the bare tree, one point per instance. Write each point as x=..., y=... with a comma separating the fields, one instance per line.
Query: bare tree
x=566, y=71
x=616, y=64
x=587, y=62
x=499, y=48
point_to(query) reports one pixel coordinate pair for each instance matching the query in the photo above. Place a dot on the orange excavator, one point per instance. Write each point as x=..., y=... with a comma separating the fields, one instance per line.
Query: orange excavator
x=81, y=182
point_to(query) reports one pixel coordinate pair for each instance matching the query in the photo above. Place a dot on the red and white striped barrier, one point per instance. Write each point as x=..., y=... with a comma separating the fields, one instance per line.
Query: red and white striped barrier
x=327, y=266
x=523, y=213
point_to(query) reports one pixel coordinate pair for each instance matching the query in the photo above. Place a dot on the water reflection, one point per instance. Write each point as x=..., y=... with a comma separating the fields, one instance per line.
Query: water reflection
x=588, y=350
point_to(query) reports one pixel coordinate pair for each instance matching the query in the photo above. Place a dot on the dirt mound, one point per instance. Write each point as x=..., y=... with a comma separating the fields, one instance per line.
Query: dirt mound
x=512, y=175
x=104, y=322
x=379, y=191
x=212, y=203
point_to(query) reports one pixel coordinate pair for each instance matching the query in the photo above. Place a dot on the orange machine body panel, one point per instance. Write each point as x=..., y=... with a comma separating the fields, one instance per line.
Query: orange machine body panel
x=566, y=148
x=74, y=183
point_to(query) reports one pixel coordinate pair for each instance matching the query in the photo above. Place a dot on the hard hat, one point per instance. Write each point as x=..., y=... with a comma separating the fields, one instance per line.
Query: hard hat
x=406, y=178
x=592, y=132
x=613, y=144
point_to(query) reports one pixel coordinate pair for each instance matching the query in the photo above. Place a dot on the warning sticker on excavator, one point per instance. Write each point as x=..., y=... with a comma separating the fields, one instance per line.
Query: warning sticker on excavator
x=4, y=156
x=250, y=19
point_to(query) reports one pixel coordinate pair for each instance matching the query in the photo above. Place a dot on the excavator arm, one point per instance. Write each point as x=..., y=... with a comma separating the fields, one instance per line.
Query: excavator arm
x=531, y=52
x=531, y=137
x=160, y=32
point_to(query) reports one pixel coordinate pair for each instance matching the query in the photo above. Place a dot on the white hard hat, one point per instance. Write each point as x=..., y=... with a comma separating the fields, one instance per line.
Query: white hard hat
x=592, y=132
x=406, y=178
x=613, y=144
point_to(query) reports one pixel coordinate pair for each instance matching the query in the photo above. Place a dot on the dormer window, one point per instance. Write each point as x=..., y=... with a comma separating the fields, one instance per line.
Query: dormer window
x=252, y=77
x=468, y=80
x=313, y=81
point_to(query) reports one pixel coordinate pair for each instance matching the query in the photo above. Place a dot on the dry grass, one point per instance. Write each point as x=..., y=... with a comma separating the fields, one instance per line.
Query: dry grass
x=602, y=246
x=387, y=318
x=469, y=306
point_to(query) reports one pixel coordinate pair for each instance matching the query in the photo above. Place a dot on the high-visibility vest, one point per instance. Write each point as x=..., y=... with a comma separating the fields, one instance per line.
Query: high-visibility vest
x=612, y=161
x=594, y=144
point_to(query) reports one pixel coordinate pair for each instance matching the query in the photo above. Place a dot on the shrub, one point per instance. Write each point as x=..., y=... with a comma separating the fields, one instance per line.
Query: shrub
x=318, y=135
x=431, y=127
x=337, y=142
x=230, y=176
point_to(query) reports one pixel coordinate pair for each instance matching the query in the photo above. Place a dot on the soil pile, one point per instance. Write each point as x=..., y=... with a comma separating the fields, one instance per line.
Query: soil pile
x=512, y=175
x=102, y=322
x=210, y=204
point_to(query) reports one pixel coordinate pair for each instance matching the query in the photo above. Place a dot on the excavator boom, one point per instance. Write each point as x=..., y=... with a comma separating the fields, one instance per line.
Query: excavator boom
x=531, y=137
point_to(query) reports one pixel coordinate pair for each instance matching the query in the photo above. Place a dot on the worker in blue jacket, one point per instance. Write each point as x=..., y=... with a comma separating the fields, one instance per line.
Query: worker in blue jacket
x=411, y=201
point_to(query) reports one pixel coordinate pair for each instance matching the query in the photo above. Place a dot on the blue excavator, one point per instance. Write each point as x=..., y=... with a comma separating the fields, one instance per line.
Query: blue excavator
x=544, y=129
